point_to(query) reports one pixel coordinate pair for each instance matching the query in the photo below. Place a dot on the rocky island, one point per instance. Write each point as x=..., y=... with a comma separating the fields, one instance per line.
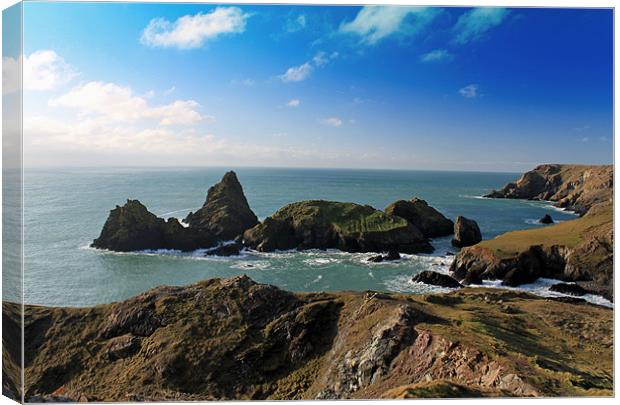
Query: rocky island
x=405, y=226
x=580, y=250
x=236, y=339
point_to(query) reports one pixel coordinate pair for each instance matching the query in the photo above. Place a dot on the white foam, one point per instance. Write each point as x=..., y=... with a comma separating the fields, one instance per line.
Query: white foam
x=541, y=288
x=251, y=265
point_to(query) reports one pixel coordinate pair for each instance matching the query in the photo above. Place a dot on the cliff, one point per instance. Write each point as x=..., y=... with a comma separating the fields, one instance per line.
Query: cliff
x=236, y=339
x=579, y=250
x=574, y=187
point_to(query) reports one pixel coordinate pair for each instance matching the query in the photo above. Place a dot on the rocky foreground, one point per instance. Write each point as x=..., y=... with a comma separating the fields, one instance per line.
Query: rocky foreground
x=236, y=339
x=580, y=250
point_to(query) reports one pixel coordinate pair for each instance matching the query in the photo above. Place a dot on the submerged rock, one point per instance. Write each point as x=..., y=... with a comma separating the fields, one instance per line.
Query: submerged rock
x=434, y=278
x=349, y=227
x=466, y=232
x=427, y=219
x=570, y=289
x=226, y=212
x=390, y=256
x=230, y=249
x=132, y=227
x=546, y=219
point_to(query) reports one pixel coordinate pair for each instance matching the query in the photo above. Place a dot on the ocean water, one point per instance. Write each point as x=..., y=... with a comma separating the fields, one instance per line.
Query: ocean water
x=66, y=208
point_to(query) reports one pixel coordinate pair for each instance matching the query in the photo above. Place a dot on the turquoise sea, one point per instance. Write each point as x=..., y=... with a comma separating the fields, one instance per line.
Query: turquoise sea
x=66, y=208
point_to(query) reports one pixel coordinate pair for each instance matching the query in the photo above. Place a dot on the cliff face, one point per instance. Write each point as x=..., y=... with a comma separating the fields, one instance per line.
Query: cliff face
x=580, y=250
x=575, y=187
x=235, y=339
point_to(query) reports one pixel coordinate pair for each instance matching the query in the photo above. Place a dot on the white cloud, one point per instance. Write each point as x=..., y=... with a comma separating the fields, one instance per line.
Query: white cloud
x=585, y=139
x=297, y=73
x=437, y=55
x=294, y=102
x=170, y=91
x=473, y=24
x=374, y=23
x=296, y=24
x=469, y=91
x=43, y=70
x=117, y=103
x=302, y=72
x=332, y=121
x=192, y=31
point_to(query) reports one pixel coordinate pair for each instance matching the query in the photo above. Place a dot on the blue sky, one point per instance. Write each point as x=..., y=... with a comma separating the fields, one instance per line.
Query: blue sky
x=485, y=89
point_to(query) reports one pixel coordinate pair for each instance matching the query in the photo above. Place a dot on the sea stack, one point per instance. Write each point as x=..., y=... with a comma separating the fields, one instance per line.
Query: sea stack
x=546, y=219
x=226, y=213
x=466, y=232
x=427, y=219
x=132, y=227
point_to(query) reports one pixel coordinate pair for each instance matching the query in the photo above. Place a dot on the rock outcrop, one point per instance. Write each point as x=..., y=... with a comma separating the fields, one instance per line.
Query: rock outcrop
x=427, y=219
x=579, y=250
x=226, y=212
x=132, y=227
x=349, y=227
x=466, y=232
x=437, y=279
x=546, y=219
x=570, y=289
x=236, y=339
x=574, y=187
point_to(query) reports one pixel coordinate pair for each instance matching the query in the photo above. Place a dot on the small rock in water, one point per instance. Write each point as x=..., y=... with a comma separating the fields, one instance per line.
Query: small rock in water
x=438, y=279
x=391, y=255
x=570, y=289
x=232, y=249
x=546, y=219
x=449, y=254
x=375, y=259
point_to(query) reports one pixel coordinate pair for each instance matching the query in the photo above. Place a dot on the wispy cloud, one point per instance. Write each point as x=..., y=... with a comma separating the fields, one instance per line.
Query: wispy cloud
x=296, y=24
x=473, y=24
x=332, y=122
x=469, y=91
x=117, y=103
x=375, y=23
x=437, y=55
x=302, y=72
x=294, y=103
x=43, y=70
x=243, y=82
x=192, y=31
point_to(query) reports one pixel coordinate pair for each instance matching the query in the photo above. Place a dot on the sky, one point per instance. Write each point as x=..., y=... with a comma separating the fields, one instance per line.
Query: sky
x=385, y=87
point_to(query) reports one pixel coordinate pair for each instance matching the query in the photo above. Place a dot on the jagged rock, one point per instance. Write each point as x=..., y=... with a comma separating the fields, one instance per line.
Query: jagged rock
x=466, y=232
x=546, y=219
x=334, y=225
x=226, y=212
x=570, y=289
x=427, y=219
x=575, y=187
x=122, y=346
x=229, y=249
x=434, y=278
x=132, y=227
x=390, y=256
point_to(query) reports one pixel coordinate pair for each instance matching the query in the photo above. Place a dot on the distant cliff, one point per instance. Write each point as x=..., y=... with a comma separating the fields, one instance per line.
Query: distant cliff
x=574, y=187
x=579, y=250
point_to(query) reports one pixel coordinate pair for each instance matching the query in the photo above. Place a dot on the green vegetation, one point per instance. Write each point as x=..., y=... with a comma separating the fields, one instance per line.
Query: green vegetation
x=346, y=217
x=569, y=234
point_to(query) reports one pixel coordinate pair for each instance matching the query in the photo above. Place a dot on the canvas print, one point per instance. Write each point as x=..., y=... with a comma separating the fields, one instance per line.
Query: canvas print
x=293, y=202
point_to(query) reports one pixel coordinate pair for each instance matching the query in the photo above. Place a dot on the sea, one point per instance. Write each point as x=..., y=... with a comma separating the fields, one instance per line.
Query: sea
x=65, y=209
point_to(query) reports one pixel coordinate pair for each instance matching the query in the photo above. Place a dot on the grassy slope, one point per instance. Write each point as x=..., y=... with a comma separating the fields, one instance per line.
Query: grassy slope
x=348, y=217
x=568, y=233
